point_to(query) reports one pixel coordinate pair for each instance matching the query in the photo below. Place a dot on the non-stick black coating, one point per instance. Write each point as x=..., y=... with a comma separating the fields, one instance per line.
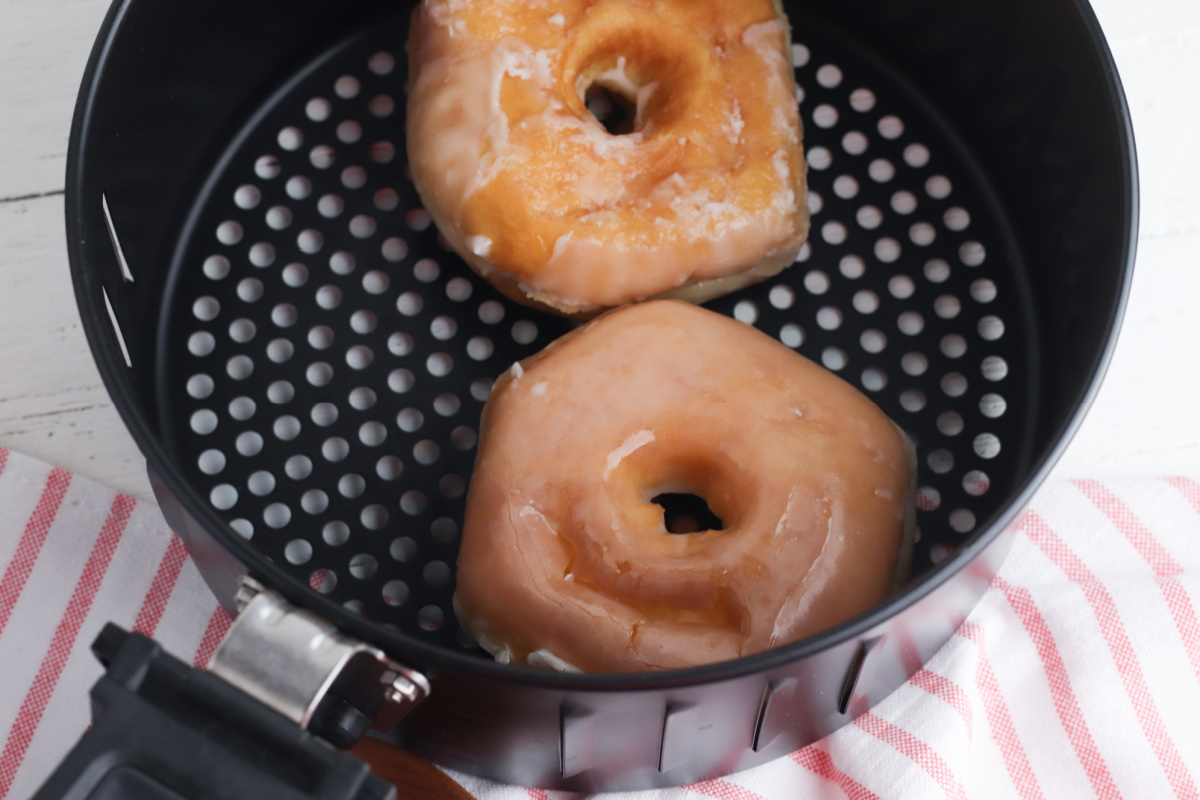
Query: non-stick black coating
x=1028, y=161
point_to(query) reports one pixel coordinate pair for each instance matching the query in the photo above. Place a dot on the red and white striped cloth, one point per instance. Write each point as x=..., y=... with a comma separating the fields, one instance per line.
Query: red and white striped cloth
x=1078, y=675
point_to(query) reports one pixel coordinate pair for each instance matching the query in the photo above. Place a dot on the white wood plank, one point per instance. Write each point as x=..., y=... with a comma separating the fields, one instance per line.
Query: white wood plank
x=44, y=45
x=52, y=402
x=1157, y=74
x=1128, y=20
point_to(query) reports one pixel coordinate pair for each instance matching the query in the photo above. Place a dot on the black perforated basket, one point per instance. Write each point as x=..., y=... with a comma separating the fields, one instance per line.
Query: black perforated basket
x=304, y=363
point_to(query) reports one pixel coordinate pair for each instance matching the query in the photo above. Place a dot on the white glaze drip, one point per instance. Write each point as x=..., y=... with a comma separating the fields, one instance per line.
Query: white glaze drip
x=480, y=245
x=547, y=660
x=634, y=442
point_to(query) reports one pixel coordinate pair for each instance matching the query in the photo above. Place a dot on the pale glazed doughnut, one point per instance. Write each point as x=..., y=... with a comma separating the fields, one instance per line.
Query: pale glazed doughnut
x=565, y=561
x=706, y=196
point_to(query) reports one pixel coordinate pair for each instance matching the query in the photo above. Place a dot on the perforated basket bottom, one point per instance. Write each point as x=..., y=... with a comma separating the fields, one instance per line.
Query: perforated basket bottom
x=326, y=360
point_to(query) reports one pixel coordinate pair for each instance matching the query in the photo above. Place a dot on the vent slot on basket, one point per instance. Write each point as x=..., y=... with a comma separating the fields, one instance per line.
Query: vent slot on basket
x=116, y=240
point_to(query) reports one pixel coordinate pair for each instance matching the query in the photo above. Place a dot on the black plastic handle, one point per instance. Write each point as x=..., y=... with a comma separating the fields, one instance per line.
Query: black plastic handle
x=163, y=730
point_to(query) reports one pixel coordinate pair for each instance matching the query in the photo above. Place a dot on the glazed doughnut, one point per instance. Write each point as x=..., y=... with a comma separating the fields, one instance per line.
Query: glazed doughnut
x=705, y=195
x=566, y=561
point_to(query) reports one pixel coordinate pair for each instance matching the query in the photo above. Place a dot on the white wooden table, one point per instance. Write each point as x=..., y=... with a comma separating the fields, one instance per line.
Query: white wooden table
x=53, y=405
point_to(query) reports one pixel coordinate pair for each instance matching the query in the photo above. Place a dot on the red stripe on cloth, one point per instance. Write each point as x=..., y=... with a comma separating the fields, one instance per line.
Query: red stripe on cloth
x=4, y=451
x=1127, y=523
x=1121, y=649
x=858, y=705
x=36, y=531
x=724, y=790
x=1190, y=490
x=538, y=794
x=942, y=687
x=910, y=658
x=218, y=626
x=999, y=720
x=1060, y=688
x=921, y=753
x=159, y=594
x=1163, y=564
x=817, y=760
x=21, y=733
x=317, y=579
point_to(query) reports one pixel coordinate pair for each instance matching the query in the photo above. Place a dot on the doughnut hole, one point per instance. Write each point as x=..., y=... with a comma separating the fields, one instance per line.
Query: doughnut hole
x=612, y=108
x=616, y=64
x=682, y=489
x=687, y=513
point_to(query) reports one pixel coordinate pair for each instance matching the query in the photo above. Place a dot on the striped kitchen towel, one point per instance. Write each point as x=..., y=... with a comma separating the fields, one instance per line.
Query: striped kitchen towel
x=1077, y=675
x=73, y=556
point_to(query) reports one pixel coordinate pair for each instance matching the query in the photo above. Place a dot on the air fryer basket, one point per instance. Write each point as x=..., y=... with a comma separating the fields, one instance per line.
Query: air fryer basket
x=304, y=364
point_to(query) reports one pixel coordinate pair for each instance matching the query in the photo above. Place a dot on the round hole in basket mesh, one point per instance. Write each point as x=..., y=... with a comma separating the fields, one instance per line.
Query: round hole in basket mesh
x=327, y=359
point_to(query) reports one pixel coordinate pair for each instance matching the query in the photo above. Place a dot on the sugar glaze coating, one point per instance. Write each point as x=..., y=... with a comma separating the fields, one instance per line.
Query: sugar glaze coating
x=567, y=564
x=705, y=195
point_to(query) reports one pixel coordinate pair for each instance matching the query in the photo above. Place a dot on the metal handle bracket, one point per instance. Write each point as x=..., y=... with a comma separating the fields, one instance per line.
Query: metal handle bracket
x=301, y=666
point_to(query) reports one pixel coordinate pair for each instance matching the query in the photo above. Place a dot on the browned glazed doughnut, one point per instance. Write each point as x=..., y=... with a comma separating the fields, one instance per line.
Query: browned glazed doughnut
x=566, y=561
x=705, y=194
